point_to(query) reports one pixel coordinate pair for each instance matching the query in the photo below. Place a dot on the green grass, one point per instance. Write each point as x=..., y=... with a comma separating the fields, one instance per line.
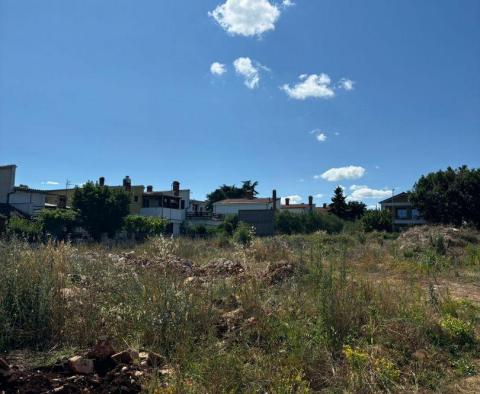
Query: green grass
x=357, y=315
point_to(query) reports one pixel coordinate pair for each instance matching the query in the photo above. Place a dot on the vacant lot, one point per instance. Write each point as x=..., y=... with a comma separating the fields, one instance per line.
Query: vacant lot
x=319, y=313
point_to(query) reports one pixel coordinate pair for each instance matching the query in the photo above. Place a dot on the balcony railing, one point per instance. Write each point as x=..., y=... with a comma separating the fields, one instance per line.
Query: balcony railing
x=204, y=215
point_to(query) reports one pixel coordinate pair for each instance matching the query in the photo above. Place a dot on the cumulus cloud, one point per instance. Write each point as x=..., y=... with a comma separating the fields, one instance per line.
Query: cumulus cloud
x=337, y=174
x=318, y=195
x=217, y=68
x=310, y=86
x=50, y=183
x=247, y=17
x=321, y=137
x=287, y=3
x=244, y=67
x=346, y=84
x=363, y=192
x=294, y=199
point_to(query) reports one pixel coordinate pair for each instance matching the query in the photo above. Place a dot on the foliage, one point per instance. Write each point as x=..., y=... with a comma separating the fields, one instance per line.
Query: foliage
x=375, y=220
x=247, y=190
x=352, y=210
x=58, y=223
x=243, y=234
x=449, y=197
x=295, y=223
x=230, y=224
x=29, y=230
x=101, y=209
x=141, y=227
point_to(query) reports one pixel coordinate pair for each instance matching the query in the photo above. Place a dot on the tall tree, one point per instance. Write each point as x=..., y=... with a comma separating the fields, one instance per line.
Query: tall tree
x=338, y=206
x=449, y=197
x=101, y=210
x=247, y=190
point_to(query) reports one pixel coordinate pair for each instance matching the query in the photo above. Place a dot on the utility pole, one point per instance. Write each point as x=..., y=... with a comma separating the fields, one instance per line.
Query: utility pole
x=393, y=211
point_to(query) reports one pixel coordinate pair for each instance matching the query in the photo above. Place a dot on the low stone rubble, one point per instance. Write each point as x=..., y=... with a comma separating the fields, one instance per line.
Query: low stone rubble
x=100, y=370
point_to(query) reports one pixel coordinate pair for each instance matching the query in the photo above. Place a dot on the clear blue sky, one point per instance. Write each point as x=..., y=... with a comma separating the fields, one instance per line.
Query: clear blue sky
x=116, y=87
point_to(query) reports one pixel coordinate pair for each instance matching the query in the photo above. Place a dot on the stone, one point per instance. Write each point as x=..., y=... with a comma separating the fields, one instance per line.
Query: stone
x=152, y=359
x=126, y=357
x=102, y=350
x=80, y=365
x=5, y=370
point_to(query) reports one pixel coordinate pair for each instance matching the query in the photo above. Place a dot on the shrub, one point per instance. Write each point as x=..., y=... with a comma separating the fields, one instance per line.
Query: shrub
x=458, y=331
x=244, y=234
x=141, y=227
x=101, y=210
x=294, y=223
x=377, y=221
x=230, y=224
x=27, y=229
x=58, y=222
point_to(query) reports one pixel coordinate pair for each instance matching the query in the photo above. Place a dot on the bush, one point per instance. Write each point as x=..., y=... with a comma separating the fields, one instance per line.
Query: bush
x=230, y=224
x=141, y=227
x=101, y=210
x=243, y=234
x=291, y=223
x=58, y=223
x=377, y=221
x=23, y=228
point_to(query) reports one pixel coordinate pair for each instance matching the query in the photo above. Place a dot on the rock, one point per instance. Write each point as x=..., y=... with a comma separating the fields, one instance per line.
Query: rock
x=80, y=365
x=5, y=371
x=151, y=359
x=126, y=357
x=102, y=350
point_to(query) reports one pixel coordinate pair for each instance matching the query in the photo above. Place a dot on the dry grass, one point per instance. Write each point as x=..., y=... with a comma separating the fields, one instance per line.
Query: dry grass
x=315, y=313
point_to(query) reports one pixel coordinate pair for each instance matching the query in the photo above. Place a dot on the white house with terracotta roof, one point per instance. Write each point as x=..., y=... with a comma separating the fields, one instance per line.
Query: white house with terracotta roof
x=235, y=205
x=299, y=208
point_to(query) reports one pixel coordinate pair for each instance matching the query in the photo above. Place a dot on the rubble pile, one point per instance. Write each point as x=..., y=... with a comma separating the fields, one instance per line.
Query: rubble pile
x=278, y=272
x=453, y=239
x=222, y=267
x=100, y=370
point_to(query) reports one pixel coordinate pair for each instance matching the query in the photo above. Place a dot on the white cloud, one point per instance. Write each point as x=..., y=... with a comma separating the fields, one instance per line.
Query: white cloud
x=321, y=137
x=247, y=17
x=311, y=86
x=362, y=192
x=337, y=174
x=218, y=68
x=319, y=195
x=346, y=84
x=287, y=3
x=50, y=183
x=294, y=199
x=245, y=67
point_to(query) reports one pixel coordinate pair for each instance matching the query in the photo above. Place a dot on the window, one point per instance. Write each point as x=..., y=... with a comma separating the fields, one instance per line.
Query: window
x=416, y=214
x=135, y=198
x=402, y=213
x=183, y=204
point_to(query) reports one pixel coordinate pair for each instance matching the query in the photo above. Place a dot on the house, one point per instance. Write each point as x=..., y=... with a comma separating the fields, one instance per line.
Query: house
x=403, y=211
x=235, y=205
x=19, y=199
x=299, y=208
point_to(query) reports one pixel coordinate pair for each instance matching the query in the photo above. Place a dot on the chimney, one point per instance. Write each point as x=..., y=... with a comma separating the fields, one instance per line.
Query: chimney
x=149, y=188
x=325, y=205
x=127, y=183
x=287, y=201
x=310, y=203
x=176, y=188
x=101, y=181
x=274, y=198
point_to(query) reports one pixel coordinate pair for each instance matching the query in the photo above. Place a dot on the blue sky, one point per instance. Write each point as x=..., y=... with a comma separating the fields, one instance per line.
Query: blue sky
x=109, y=88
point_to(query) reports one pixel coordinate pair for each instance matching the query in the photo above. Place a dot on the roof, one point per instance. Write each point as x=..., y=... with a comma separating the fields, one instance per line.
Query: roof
x=233, y=201
x=295, y=206
x=28, y=190
x=401, y=197
x=8, y=166
x=153, y=194
x=198, y=201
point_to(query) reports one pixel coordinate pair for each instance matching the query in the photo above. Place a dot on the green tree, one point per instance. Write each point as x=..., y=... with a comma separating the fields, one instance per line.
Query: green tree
x=449, y=197
x=339, y=205
x=355, y=210
x=101, y=209
x=377, y=221
x=59, y=223
x=247, y=190
x=141, y=227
